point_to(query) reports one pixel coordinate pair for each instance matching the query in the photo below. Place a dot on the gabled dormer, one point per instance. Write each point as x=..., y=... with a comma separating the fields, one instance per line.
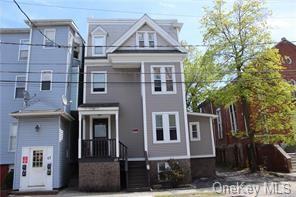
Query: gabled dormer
x=98, y=40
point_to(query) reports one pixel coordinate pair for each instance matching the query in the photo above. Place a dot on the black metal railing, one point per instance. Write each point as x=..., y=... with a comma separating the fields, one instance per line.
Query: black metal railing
x=102, y=148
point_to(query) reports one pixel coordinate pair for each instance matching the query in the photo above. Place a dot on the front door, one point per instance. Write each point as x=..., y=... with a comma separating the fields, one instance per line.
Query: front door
x=100, y=136
x=37, y=171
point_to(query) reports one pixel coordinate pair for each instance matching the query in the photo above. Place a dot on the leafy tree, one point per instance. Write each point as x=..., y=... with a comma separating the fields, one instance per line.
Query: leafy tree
x=236, y=36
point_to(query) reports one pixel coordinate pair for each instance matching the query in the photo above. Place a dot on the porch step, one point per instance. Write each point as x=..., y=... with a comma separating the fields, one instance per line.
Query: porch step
x=137, y=176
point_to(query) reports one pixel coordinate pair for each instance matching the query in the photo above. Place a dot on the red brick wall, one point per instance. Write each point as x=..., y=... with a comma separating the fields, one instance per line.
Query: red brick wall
x=3, y=172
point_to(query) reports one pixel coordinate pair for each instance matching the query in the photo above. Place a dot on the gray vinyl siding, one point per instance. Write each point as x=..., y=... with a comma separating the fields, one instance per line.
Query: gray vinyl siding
x=9, y=62
x=47, y=136
x=204, y=146
x=165, y=103
x=128, y=95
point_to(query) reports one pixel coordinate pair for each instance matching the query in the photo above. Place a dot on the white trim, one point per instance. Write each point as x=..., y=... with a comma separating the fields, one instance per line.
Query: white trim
x=44, y=38
x=117, y=133
x=42, y=113
x=84, y=84
x=165, y=126
x=79, y=135
x=163, y=79
x=9, y=140
x=91, y=81
x=169, y=157
x=98, y=109
x=202, y=114
x=197, y=124
x=94, y=32
x=28, y=61
x=202, y=156
x=145, y=20
x=136, y=159
x=69, y=56
x=143, y=91
x=103, y=36
x=16, y=80
x=212, y=136
x=146, y=40
x=83, y=127
x=219, y=123
x=232, y=114
x=146, y=57
x=41, y=76
x=184, y=108
x=19, y=53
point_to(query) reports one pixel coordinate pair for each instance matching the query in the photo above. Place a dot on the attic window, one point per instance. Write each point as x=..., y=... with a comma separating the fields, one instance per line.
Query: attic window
x=146, y=39
x=99, y=45
x=288, y=60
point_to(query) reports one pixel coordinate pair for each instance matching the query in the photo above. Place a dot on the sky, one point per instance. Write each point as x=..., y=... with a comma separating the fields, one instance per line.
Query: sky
x=188, y=12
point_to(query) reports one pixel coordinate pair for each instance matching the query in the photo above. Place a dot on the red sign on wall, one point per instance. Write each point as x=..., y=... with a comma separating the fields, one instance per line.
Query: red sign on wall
x=135, y=130
x=25, y=159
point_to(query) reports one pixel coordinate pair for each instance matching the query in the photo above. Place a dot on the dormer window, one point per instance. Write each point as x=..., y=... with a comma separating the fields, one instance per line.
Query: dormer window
x=99, y=42
x=146, y=39
x=49, y=38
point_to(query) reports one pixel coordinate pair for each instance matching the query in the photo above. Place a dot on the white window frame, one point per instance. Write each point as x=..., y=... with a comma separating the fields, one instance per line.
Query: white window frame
x=19, y=54
x=44, y=38
x=219, y=123
x=91, y=79
x=15, y=86
x=233, y=122
x=103, y=47
x=159, y=171
x=163, y=79
x=146, y=40
x=51, y=76
x=10, y=134
x=166, y=127
x=197, y=124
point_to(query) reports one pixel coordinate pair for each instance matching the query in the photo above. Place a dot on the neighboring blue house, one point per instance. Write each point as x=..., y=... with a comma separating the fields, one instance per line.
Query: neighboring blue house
x=39, y=130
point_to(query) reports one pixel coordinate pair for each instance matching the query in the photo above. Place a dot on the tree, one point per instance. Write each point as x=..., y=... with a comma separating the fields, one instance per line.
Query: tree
x=236, y=36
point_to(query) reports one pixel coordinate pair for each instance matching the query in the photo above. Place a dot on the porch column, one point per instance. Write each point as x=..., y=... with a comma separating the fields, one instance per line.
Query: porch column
x=79, y=136
x=117, y=134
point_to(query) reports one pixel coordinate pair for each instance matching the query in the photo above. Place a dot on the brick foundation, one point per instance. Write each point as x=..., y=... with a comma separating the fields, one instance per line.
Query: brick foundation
x=99, y=176
x=203, y=167
x=184, y=163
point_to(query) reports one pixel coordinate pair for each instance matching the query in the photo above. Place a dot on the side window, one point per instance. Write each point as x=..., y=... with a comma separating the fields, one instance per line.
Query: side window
x=233, y=123
x=46, y=80
x=12, y=137
x=23, y=49
x=99, y=82
x=99, y=43
x=19, y=86
x=162, y=168
x=49, y=40
x=194, y=131
x=219, y=123
x=165, y=127
x=163, y=80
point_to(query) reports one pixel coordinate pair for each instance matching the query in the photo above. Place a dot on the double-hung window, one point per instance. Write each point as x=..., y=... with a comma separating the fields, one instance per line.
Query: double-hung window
x=165, y=127
x=194, y=131
x=146, y=39
x=163, y=79
x=99, y=42
x=19, y=86
x=49, y=38
x=23, y=49
x=12, y=137
x=99, y=82
x=233, y=123
x=219, y=123
x=46, y=80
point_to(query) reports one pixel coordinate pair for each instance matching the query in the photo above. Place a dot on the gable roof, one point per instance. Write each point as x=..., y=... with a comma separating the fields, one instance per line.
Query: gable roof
x=145, y=20
x=99, y=30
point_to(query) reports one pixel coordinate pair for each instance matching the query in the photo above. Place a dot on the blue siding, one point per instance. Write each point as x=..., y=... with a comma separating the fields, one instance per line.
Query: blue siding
x=9, y=62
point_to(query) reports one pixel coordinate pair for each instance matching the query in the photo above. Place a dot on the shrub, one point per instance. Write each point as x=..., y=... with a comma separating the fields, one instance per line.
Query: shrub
x=8, y=180
x=175, y=175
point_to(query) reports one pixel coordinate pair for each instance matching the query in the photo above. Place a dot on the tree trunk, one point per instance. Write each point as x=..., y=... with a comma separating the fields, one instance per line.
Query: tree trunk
x=253, y=158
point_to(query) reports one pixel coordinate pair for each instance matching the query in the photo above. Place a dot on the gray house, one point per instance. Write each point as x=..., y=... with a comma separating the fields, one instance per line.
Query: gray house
x=133, y=118
x=41, y=117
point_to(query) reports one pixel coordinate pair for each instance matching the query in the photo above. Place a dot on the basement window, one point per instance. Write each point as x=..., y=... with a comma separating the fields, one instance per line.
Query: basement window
x=162, y=169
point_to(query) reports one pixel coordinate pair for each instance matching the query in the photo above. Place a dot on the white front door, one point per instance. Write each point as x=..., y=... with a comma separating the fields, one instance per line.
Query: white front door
x=36, y=168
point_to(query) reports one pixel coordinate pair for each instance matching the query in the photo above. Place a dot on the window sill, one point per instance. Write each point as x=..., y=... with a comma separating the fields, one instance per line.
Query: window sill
x=166, y=142
x=163, y=93
x=98, y=92
x=195, y=140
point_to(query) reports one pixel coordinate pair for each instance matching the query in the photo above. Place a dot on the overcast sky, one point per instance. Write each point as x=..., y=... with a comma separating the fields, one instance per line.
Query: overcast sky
x=283, y=20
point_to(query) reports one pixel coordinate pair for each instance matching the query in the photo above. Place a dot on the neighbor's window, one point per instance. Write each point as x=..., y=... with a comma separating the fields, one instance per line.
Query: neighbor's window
x=219, y=123
x=46, y=80
x=146, y=39
x=12, y=137
x=19, y=86
x=49, y=40
x=99, y=82
x=194, y=131
x=163, y=78
x=232, y=113
x=23, y=49
x=162, y=169
x=99, y=45
x=165, y=127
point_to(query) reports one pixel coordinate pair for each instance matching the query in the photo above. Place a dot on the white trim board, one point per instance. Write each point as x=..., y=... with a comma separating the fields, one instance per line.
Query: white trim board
x=202, y=114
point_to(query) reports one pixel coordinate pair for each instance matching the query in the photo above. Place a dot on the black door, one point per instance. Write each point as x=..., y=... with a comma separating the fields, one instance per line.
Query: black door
x=100, y=136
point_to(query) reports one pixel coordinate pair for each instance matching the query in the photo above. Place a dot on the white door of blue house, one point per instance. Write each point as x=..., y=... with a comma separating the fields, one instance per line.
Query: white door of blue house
x=36, y=168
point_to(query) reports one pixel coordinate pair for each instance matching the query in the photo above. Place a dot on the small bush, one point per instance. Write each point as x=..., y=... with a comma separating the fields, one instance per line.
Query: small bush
x=8, y=181
x=175, y=175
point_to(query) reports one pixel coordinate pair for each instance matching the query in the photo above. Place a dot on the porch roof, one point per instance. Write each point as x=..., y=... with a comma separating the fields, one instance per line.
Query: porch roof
x=99, y=105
